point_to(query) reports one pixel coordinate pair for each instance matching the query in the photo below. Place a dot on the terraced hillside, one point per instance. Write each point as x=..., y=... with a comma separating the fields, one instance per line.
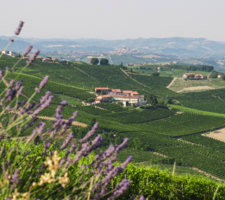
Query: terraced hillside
x=149, y=129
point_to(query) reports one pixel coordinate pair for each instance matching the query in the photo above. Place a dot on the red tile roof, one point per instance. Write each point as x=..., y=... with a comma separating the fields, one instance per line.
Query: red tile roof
x=127, y=91
x=98, y=88
x=116, y=90
x=189, y=73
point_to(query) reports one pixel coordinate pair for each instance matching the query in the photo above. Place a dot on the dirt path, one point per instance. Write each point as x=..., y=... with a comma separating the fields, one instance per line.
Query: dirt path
x=207, y=174
x=159, y=154
x=209, y=76
x=74, y=122
x=101, y=108
x=171, y=83
x=196, y=88
x=217, y=134
x=134, y=79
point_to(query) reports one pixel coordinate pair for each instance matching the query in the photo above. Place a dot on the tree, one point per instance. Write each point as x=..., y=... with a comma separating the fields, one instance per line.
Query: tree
x=94, y=61
x=152, y=99
x=104, y=61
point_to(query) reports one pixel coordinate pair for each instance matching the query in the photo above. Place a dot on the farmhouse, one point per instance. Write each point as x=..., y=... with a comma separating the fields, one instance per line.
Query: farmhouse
x=130, y=64
x=117, y=95
x=9, y=53
x=100, y=90
x=46, y=60
x=193, y=76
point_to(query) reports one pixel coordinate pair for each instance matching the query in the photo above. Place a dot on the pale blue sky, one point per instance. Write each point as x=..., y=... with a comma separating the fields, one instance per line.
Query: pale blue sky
x=114, y=19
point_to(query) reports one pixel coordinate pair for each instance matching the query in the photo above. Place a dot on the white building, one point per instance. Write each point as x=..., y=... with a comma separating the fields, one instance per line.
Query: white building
x=11, y=53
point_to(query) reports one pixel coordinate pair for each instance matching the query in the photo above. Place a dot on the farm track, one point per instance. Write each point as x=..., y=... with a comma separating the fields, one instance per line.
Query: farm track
x=74, y=122
x=134, y=79
x=171, y=83
x=207, y=174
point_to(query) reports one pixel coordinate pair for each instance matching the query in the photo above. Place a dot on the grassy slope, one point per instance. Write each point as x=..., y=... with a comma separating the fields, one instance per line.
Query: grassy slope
x=141, y=133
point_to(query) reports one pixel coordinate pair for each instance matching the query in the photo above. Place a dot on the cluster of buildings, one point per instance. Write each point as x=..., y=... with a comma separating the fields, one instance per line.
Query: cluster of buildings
x=49, y=59
x=9, y=53
x=162, y=63
x=116, y=95
x=193, y=76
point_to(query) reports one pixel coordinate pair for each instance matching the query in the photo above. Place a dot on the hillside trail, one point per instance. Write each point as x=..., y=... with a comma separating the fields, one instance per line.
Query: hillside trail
x=74, y=122
x=86, y=73
x=207, y=174
x=171, y=83
x=209, y=76
x=134, y=79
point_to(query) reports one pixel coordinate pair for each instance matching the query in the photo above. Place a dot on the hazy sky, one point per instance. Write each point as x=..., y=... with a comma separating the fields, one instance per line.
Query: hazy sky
x=114, y=19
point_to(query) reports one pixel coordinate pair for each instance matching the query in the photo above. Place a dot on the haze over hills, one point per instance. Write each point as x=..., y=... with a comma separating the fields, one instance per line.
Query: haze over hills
x=184, y=50
x=170, y=46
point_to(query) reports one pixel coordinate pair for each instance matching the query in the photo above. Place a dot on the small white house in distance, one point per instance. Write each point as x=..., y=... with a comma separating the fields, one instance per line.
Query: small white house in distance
x=11, y=53
x=5, y=52
x=219, y=76
x=46, y=60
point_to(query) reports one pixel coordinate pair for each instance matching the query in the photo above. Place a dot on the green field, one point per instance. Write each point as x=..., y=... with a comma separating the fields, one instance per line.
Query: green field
x=154, y=129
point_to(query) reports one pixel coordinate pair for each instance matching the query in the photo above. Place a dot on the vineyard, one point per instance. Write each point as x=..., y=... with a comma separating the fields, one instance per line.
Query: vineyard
x=212, y=100
x=140, y=116
x=150, y=129
x=157, y=84
x=184, y=124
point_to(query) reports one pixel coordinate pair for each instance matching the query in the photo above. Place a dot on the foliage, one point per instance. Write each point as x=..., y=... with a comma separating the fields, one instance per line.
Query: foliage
x=104, y=61
x=94, y=61
x=152, y=99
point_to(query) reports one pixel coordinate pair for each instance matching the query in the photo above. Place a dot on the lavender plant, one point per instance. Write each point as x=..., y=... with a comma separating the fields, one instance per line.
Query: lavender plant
x=32, y=170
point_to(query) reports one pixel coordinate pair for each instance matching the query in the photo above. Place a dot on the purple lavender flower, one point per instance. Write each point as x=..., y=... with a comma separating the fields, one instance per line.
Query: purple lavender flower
x=121, y=146
x=142, y=198
x=17, y=32
x=129, y=159
x=6, y=68
x=89, y=134
x=16, y=176
x=63, y=103
x=32, y=136
x=33, y=57
x=12, y=40
x=120, y=189
x=37, y=90
x=20, y=91
x=27, y=51
x=44, y=82
x=67, y=141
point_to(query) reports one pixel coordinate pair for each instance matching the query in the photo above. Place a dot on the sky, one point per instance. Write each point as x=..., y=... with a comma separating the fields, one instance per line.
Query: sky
x=114, y=19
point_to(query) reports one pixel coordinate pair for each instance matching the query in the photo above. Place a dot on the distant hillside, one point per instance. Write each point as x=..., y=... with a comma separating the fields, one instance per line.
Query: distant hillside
x=175, y=45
